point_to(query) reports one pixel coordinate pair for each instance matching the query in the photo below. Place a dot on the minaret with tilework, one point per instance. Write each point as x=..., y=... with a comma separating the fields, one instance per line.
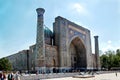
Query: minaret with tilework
x=97, y=53
x=40, y=43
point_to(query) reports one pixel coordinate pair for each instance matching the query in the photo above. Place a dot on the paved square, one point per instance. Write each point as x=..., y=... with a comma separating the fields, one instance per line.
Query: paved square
x=108, y=76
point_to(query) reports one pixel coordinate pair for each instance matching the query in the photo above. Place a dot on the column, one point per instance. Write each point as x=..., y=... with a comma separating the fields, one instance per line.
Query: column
x=97, y=53
x=40, y=41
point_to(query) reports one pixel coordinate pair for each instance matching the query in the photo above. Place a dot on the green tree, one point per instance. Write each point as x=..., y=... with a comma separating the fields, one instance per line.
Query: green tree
x=118, y=56
x=118, y=52
x=116, y=61
x=110, y=59
x=104, y=61
x=5, y=64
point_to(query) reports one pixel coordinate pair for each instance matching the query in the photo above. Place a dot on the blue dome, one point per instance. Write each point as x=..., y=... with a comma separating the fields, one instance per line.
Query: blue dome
x=47, y=32
x=48, y=35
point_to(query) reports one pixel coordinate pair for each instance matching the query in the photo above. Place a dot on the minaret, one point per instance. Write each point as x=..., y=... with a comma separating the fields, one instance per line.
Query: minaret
x=97, y=53
x=40, y=43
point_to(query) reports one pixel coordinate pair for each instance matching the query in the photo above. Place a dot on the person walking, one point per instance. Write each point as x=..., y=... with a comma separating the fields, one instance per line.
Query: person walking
x=2, y=76
x=16, y=76
x=10, y=76
x=116, y=74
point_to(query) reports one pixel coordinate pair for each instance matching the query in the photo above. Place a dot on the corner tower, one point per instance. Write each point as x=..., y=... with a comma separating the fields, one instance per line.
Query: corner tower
x=40, y=43
x=97, y=53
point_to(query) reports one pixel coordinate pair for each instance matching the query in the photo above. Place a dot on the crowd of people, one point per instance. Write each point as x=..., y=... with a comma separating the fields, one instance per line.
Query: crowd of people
x=9, y=76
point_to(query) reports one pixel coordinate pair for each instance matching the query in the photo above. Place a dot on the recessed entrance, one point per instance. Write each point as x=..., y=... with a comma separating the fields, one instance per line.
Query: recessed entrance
x=77, y=53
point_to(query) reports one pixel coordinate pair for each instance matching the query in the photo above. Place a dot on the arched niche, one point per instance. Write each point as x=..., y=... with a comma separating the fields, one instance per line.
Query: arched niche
x=77, y=52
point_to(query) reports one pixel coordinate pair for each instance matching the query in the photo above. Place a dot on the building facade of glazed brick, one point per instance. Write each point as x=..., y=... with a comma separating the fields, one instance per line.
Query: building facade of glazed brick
x=67, y=47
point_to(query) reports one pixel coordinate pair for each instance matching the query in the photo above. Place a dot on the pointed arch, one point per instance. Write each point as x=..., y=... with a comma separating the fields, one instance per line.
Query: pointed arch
x=77, y=52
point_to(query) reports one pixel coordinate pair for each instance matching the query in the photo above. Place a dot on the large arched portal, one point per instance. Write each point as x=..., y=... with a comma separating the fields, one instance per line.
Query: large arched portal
x=77, y=53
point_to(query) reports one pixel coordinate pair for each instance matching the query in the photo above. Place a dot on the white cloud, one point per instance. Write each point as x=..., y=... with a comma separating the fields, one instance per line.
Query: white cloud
x=109, y=42
x=79, y=8
x=109, y=46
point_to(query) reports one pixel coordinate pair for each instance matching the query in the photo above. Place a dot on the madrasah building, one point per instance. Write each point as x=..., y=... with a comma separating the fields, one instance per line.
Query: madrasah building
x=67, y=47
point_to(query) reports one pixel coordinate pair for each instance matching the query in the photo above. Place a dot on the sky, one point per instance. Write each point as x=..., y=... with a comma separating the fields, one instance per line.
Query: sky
x=18, y=21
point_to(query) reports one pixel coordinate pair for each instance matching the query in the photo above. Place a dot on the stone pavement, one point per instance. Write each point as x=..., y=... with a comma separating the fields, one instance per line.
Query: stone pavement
x=46, y=76
x=107, y=76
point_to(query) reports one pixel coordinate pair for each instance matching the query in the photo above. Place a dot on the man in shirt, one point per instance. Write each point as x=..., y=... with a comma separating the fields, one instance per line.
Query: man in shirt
x=10, y=76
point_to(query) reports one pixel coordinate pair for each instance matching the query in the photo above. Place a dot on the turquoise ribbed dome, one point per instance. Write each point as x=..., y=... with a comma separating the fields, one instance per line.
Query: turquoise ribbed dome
x=48, y=33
